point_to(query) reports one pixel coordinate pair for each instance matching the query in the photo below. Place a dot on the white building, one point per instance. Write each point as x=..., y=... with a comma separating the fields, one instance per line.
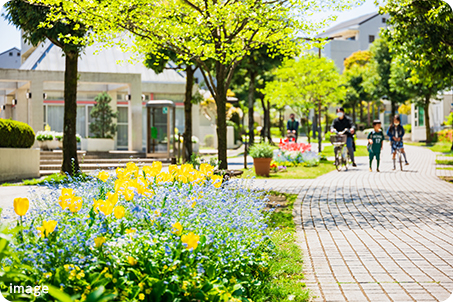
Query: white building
x=351, y=36
x=38, y=87
x=10, y=58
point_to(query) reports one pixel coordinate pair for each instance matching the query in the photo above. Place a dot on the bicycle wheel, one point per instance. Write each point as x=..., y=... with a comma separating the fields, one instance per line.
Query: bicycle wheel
x=400, y=158
x=337, y=159
x=345, y=157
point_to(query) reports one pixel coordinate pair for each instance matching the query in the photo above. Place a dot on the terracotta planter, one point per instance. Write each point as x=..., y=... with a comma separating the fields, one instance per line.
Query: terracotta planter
x=262, y=166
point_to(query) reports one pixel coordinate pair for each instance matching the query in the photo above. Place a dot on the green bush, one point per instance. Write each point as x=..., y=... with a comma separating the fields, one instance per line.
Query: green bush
x=407, y=128
x=15, y=134
x=209, y=140
x=262, y=150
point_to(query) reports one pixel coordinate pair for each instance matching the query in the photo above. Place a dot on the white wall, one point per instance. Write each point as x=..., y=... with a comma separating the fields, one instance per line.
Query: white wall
x=18, y=163
x=10, y=61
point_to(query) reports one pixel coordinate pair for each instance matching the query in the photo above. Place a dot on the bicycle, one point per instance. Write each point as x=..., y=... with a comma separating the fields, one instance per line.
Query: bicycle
x=341, y=151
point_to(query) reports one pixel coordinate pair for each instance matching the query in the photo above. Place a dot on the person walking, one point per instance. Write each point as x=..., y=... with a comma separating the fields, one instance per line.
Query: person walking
x=341, y=123
x=375, y=140
x=292, y=127
x=396, y=133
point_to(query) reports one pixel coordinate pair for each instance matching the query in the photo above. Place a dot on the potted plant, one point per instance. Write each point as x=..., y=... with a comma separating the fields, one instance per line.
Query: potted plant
x=46, y=140
x=59, y=138
x=262, y=156
x=102, y=126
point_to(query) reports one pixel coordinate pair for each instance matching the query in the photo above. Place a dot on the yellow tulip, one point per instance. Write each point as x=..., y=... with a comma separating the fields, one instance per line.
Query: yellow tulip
x=119, y=212
x=128, y=194
x=177, y=228
x=48, y=226
x=99, y=241
x=21, y=206
x=65, y=198
x=119, y=172
x=172, y=169
x=75, y=204
x=157, y=165
x=106, y=208
x=207, y=169
x=131, y=260
x=112, y=198
x=103, y=176
x=216, y=180
x=191, y=240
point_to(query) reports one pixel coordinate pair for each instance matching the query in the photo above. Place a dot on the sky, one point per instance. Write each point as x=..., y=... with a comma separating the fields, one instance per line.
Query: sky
x=10, y=36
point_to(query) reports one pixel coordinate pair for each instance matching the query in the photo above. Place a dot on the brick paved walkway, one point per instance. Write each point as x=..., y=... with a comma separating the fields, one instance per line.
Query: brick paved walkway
x=384, y=236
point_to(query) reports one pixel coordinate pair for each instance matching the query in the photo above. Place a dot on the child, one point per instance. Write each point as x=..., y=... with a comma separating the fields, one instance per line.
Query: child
x=375, y=139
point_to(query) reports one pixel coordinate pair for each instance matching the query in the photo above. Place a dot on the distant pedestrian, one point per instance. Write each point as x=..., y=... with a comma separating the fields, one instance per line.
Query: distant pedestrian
x=375, y=140
x=292, y=127
x=396, y=134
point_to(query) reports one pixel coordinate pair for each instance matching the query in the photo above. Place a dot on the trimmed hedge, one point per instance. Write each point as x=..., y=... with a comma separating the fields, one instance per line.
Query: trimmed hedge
x=14, y=134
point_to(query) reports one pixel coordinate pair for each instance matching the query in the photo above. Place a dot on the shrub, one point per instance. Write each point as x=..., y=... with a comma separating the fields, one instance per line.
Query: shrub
x=103, y=115
x=15, y=134
x=261, y=150
x=407, y=128
x=47, y=136
x=209, y=140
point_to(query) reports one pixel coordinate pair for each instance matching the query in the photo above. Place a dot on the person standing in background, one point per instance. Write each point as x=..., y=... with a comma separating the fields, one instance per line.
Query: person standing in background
x=292, y=127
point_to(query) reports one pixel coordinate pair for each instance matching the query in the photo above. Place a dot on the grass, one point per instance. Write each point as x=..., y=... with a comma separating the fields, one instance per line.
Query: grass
x=447, y=168
x=360, y=151
x=287, y=280
x=56, y=178
x=442, y=147
x=296, y=172
x=444, y=162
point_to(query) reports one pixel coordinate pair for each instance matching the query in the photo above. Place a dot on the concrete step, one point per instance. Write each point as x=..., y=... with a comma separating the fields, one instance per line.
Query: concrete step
x=86, y=167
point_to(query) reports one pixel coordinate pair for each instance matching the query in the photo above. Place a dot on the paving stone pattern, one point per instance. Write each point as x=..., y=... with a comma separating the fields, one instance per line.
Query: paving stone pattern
x=371, y=236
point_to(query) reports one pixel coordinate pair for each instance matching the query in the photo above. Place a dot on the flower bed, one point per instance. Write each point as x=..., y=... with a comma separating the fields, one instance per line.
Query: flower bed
x=146, y=235
x=293, y=154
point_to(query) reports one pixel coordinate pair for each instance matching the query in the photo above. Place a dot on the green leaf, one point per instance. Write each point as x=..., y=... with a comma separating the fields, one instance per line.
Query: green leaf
x=58, y=294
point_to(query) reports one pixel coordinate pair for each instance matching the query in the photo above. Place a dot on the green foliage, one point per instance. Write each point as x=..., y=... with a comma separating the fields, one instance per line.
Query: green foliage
x=46, y=136
x=407, y=128
x=14, y=134
x=261, y=150
x=358, y=58
x=300, y=84
x=209, y=140
x=102, y=126
x=449, y=120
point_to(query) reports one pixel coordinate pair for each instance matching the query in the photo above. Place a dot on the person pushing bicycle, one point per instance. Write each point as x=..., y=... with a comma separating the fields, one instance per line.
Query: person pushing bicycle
x=396, y=133
x=341, y=123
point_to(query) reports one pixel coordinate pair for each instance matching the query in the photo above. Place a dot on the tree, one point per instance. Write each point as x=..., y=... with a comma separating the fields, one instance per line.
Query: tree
x=378, y=82
x=158, y=61
x=29, y=18
x=216, y=35
x=356, y=71
x=252, y=74
x=421, y=34
x=102, y=114
x=306, y=83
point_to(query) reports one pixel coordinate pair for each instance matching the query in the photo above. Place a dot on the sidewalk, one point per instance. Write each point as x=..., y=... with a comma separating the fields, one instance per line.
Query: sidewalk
x=371, y=236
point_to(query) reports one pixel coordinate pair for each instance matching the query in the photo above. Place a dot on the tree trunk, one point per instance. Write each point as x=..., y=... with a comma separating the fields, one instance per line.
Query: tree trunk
x=251, y=104
x=70, y=161
x=361, y=112
x=220, y=100
x=308, y=126
x=327, y=120
x=369, y=116
x=268, y=131
x=263, y=130
x=188, y=113
x=427, y=124
x=280, y=123
x=353, y=113
x=393, y=111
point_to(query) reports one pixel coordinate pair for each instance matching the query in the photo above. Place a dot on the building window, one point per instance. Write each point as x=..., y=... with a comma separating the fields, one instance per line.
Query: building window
x=18, y=54
x=10, y=54
x=351, y=38
x=371, y=38
x=384, y=20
